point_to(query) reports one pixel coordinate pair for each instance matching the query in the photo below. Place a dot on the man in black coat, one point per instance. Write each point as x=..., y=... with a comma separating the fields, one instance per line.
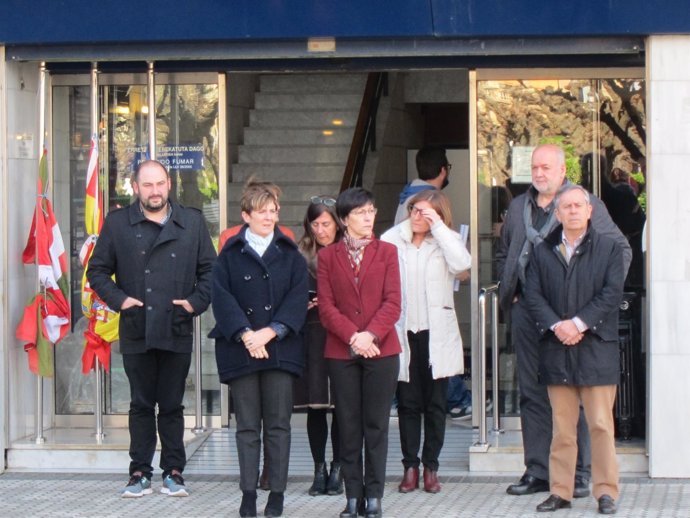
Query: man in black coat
x=573, y=292
x=529, y=220
x=162, y=257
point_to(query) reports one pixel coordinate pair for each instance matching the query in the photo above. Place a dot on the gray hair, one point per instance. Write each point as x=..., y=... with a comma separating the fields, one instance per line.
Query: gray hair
x=567, y=187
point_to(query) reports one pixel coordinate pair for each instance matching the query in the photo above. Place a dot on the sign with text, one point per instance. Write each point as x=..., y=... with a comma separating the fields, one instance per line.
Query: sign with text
x=180, y=157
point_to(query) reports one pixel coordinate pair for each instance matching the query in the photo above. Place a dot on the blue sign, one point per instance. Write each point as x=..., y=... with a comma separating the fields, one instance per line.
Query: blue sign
x=182, y=157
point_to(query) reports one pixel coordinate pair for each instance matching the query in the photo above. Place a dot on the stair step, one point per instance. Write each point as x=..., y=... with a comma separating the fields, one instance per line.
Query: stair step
x=290, y=211
x=301, y=83
x=293, y=193
x=299, y=137
x=308, y=101
x=294, y=154
x=288, y=173
x=302, y=119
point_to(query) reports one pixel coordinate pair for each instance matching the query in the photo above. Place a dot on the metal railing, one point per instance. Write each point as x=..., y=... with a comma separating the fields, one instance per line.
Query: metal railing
x=488, y=291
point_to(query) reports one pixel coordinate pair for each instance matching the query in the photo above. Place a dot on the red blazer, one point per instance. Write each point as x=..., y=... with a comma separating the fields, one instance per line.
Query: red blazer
x=346, y=307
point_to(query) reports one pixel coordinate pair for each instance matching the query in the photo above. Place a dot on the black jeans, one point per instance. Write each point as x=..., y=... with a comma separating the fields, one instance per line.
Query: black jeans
x=535, y=408
x=263, y=398
x=363, y=390
x=421, y=396
x=156, y=377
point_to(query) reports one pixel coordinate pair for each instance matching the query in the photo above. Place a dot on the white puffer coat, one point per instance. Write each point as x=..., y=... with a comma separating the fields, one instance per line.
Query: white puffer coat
x=448, y=258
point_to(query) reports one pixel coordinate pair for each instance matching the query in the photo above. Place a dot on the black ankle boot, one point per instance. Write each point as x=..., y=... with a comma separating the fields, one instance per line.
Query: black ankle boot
x=352, y=507
x=373, y=509
x=335, y=480
x=318, y=487
x=248, y=505
x=274, y=506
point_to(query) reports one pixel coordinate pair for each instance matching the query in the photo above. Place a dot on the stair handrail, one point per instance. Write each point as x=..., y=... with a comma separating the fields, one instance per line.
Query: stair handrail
x=488, y=291
x=364, y=137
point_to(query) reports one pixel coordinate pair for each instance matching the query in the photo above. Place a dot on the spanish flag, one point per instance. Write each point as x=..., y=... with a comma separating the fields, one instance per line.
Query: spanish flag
x=103, y=322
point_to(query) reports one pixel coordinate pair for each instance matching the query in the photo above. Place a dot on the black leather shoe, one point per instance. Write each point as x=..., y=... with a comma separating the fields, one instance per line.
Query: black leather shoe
x=248, y=504
x=318, y=487
x=553, y=503
x=607, y=505
x=274, y=505
x=352, y=507
x=334, y=486
x=528, y=485
x=581, y=487
x=373, y=508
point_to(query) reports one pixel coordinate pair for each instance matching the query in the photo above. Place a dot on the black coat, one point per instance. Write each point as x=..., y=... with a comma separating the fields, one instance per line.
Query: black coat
x=589, y=287
x=252, y=291
x=178, y=265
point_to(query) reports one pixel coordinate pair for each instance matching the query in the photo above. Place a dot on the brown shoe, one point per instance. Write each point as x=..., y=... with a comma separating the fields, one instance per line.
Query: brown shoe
x=263, y=479
x=431, y=483
x=410, y=480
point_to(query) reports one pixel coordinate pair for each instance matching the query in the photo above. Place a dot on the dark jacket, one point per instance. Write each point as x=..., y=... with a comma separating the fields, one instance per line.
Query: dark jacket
x=346, y=307
x=252, y=292
x=513, y=237
x=177, y=266
x=590, y=287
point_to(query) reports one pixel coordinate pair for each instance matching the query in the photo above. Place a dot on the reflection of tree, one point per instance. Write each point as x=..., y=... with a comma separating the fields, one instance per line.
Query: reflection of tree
x=525, y=113
x=188, y=114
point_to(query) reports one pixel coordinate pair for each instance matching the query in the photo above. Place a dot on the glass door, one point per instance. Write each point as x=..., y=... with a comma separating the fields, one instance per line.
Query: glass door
x=188, y=142
x=598, y=117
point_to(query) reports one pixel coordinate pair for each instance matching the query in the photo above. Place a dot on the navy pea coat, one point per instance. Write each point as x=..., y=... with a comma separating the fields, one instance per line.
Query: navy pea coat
x=178, y=265
x=250, y=291
x=590, y=287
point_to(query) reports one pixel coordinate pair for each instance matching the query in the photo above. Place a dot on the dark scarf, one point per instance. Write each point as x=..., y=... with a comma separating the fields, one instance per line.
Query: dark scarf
x=533, y=237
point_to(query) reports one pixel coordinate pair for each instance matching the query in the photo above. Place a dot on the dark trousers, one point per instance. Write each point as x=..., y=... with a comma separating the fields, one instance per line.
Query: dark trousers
x=317, y=432
x=363, y=390
x=263, y=397
x=535, y=409
x=421, y=396
x=156, y=377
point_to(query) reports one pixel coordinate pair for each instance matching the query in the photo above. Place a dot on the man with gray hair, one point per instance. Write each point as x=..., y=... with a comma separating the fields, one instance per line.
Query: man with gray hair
x=530, y=218
x=573, y=290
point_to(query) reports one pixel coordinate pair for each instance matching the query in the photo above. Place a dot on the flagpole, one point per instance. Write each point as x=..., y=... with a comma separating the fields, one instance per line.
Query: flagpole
x=40, y=439
x=98, y=368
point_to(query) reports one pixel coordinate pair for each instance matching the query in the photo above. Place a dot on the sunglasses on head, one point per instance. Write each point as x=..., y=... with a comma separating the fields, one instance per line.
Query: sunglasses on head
x=323, y=200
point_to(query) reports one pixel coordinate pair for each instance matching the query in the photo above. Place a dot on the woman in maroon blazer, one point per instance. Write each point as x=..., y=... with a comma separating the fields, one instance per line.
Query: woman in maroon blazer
x=359, y=304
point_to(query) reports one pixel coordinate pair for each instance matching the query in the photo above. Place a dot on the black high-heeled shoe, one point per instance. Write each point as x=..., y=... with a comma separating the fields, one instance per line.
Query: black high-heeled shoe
x=353, y=508
x=373, y=508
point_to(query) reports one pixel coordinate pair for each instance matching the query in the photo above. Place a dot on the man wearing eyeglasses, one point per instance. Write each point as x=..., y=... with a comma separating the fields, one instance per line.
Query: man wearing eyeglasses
x=433, y=170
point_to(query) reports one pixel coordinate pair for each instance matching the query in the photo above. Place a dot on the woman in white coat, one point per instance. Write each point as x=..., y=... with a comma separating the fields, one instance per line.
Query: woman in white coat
x=430, y=255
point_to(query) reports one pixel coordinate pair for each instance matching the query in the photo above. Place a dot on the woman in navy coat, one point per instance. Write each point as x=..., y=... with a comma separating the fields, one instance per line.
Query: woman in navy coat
x=260, y=296
x=359, y=304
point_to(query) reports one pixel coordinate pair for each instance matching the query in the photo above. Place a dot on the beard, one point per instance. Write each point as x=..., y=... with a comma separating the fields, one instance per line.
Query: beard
x=445, y=183
x=157, y=207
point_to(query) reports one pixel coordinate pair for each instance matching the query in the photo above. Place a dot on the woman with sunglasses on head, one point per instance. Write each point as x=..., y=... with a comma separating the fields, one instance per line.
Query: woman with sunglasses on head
x=321, y=228
x=359, y=303
x=430, y=255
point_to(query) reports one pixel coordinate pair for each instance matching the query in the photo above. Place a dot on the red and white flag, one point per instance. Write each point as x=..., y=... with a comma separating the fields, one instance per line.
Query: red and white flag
x=47, y=316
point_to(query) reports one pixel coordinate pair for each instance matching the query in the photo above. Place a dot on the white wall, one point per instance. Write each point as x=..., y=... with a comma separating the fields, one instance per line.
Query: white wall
x=668, y=232
x=21, y=83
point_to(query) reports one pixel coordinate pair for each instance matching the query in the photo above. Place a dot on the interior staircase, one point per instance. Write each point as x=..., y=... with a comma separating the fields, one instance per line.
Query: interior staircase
x=298, y=136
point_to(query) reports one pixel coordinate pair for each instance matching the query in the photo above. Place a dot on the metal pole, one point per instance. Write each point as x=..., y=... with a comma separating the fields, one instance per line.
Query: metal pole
x=39, y=438
x=98, y=407
x=494, y=357
x=198, y=426
x=151, y=97
x=482, y=368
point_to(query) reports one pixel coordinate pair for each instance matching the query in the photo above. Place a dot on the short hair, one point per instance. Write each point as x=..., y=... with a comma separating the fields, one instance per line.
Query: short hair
x=567, y=187
x=555, y=148
x=257, y=195
x=438, y=201
x=145, y=163
x=430, y=161
x=351, y=199
x=308, y=243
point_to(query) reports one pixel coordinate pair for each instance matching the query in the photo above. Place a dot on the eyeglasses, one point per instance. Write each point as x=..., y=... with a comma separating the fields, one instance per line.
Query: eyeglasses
x=328, y=202
x=364, y=212
x=414, y=211
x=449, y=167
